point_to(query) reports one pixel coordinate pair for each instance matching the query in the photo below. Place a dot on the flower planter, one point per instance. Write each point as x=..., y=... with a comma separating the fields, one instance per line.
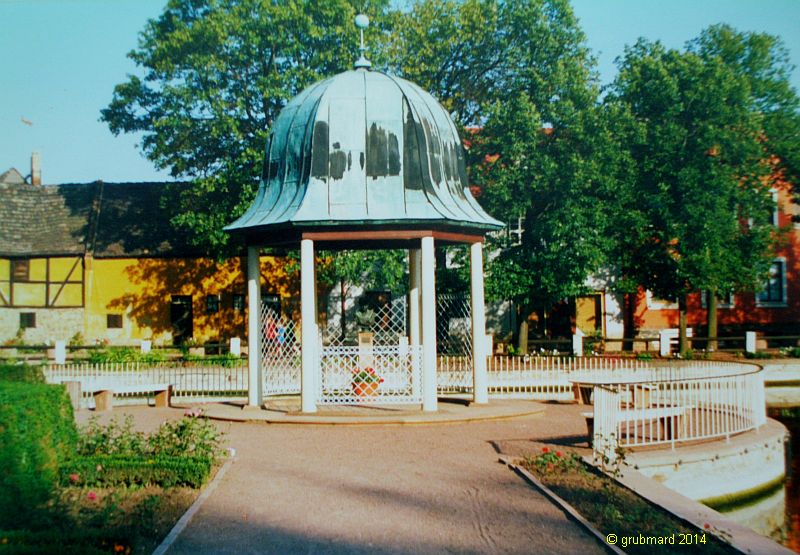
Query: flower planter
x=365, y=389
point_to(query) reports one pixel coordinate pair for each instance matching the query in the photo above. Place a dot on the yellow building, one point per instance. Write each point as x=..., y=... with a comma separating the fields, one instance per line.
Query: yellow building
x=100, y=261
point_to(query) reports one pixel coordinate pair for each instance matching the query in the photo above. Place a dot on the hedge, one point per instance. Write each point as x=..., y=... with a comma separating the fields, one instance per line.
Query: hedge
x=122, y=470
x=63, y=542
x=21, y=373
x=37, y=435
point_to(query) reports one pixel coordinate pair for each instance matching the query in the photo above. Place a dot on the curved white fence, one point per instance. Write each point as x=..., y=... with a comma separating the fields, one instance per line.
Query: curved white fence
x=674, y=403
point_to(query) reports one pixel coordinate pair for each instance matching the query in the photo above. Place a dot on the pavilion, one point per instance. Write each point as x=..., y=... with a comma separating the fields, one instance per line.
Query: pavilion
x=365, y=160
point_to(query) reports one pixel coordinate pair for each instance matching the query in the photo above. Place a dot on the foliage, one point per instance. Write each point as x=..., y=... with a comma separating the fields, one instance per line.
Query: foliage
x=189, y=437
x=128, y=470
x=365, y=375
x=701, y=213
x=793, y=352
x=555, y=461
x=21, y=373
x=37, y=435
x=228, y=360
x=214, y=76
x=124, y=354
x=758, y=355
x=66, y=542
x=763, y=61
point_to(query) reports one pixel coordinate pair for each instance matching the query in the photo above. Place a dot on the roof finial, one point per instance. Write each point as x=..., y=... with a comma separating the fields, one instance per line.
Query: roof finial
x=362, y=22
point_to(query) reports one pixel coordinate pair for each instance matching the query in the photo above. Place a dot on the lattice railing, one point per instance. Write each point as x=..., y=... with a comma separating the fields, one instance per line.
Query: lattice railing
x=280, y=353
x=454, y=325
x=397, y=366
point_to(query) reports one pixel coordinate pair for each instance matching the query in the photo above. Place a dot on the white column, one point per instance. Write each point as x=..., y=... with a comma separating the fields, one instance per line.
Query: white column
x=308, y=329
x=61, y=352
x=255, y=389
x=480, y=379
x=414, y=323
x=414, y=271
x=429, y=401
x=577, y=344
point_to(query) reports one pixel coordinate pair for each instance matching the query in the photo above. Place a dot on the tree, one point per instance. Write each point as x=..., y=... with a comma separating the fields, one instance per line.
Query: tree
x=216, y=73
x=543, y=153
x=701, y=175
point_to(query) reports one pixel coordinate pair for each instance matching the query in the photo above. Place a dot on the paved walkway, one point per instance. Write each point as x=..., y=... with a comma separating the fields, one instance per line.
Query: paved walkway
x=382, y=489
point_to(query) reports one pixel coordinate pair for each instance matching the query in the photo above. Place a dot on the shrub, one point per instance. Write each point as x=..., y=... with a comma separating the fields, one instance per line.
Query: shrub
x=63, y=542
x=124, y=354
x=112, y=439
x=130, y=470
x=37, y=435
x=21, y=373
x=758, y=355
x=191, y=437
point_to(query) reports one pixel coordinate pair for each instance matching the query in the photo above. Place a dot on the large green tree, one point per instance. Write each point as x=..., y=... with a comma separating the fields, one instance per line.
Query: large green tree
x=214, y=76
x=702, y=201
x=543, y=155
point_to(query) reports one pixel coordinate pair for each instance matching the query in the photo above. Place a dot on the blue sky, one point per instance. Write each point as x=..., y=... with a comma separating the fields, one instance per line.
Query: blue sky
x=60, y=60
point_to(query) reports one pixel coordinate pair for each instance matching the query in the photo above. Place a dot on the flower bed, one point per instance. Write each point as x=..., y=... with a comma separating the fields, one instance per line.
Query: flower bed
x=613, y=509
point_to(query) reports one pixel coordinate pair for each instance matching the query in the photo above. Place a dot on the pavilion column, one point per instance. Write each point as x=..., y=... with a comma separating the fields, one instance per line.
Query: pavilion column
x=480, y=379
x=429, y=400
x=308, y=330
x=254, y=388
x=414, y=323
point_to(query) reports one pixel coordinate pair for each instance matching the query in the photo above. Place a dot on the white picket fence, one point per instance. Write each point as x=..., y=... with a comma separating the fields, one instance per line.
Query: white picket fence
x=191, y=382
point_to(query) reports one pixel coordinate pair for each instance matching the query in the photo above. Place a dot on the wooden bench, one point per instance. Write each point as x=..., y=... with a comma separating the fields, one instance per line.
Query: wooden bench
x=104, y=396
x=662, y=414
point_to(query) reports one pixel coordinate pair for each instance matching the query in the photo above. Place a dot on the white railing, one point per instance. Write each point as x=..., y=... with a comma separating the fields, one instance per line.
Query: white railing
x=675, y=403
x=527, y=377
x=191, y=382
x=396, y=367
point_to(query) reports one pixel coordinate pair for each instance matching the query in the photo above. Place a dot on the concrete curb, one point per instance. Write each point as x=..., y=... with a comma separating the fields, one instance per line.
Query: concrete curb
x=566, y=507
x=738, y=536
x=189, y=514
x=356, y=420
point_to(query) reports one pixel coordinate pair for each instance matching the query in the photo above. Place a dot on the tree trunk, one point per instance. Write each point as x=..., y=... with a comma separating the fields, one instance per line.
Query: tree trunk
x=628, y=319
x=343, y=302
x=683, y=343
x=711, y=302
x=522, y=340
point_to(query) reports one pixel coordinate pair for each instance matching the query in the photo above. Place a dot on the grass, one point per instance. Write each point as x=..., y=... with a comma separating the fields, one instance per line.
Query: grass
x=613, y=509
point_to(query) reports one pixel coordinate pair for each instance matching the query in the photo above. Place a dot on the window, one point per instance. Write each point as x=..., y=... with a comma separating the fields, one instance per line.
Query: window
x=21, y=270
x=238, y=302
x=27, y=320
x=774, y=292
x=774, y=194
x=212, y=304
x=654, y=303
x=723, y=300
x=114, y=321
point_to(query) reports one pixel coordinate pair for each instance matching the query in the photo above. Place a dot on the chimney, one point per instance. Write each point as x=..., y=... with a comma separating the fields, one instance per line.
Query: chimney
x=36, y=169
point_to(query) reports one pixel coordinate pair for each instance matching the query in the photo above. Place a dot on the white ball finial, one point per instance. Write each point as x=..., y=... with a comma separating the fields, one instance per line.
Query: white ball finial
x=362, y=21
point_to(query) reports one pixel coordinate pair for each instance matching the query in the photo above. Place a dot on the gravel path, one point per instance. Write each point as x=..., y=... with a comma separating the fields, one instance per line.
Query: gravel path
x=390, y=489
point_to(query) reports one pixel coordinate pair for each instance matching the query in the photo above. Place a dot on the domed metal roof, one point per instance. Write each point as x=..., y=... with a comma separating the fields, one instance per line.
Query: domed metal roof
x=363, y=151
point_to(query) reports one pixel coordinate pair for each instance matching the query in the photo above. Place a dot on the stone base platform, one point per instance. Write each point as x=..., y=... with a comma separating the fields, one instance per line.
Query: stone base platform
x=286, y=410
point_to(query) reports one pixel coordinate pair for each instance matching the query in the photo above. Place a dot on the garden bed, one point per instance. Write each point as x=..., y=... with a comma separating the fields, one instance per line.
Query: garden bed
x=615, y=510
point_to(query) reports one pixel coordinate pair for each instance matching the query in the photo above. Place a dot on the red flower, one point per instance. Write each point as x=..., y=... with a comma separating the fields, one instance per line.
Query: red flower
x=707, y=526
x=545, y=450
x=558, y=454
x=91, y=496
x=74, y=478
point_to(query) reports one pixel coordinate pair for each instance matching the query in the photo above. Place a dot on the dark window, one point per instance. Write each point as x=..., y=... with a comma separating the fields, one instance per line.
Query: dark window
x=27, y=320
x=212, y=304
x=238, y=301
x=182, y=318
x=114, y=321
x=21, y=270
x=773, y=291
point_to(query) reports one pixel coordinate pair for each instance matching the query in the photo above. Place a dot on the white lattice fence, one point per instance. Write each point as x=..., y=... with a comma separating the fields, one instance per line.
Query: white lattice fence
x=454, y=325
x=280, y=353
x=397, y=368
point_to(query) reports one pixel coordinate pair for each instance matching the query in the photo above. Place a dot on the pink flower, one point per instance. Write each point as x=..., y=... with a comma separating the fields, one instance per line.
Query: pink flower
x=545, y=450
x=550, y=467
x=91, y=496
x=74, y=478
